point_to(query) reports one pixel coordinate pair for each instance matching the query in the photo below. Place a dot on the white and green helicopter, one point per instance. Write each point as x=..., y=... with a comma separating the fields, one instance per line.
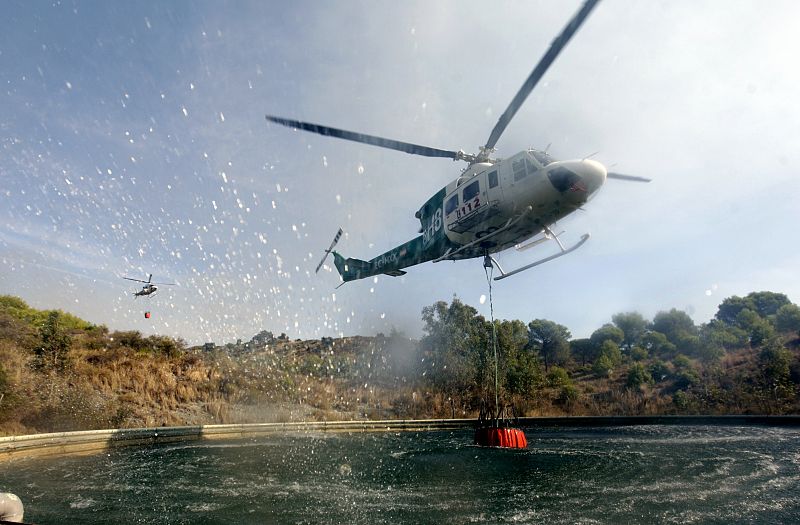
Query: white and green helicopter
x=495, y=204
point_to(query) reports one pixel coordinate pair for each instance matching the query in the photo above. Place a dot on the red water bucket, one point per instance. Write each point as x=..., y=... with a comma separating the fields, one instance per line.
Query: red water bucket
x=500, y=437
x=147, y=315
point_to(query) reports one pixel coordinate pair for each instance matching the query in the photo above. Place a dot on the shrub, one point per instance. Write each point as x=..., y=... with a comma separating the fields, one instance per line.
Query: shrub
x=681, y=400
x=686, y=378
x=638, y=376
x=787, y=318
x=659, y=370
x=558, y=377
x=603, y=366
x=567, y=395
x=681, y=362
x=52, y=351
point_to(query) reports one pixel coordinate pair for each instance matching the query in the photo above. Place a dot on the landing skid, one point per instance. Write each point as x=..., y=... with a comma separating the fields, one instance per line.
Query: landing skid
x=488, y=260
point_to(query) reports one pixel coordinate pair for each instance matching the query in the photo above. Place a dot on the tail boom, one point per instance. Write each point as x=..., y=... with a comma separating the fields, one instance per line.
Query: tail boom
x=389, y=263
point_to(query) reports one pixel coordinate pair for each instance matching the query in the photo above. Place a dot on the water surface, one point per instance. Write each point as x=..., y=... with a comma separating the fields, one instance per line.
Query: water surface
x=640, y=474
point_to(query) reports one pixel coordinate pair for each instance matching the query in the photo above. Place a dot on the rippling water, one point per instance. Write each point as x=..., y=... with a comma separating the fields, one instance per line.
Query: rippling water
x=644, y=474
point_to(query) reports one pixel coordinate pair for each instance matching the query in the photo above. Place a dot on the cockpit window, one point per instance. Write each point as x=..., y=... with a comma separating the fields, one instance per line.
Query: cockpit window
x=519, y=169
x=562, y=178
x=452, y=204
x=543, y=158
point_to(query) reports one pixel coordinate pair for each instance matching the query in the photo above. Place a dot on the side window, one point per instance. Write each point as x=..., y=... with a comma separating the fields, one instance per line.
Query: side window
x=452, y=204
x=519, y=169
x=493, y=179
x=471, y=191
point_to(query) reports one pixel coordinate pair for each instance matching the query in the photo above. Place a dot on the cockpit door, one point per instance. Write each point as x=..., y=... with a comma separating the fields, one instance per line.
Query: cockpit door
x=494, y=190
x=472, y=202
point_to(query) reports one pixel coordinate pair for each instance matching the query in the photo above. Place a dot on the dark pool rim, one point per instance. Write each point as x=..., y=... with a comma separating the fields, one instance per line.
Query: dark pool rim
x=93, y=441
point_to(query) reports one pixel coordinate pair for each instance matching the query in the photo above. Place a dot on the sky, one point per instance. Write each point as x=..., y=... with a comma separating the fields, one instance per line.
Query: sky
x=133, y=141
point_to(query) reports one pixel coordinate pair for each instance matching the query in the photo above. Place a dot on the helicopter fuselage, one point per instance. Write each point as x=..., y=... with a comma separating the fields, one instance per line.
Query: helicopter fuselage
x=146, y=290
x=530, y=187
x=492, y=206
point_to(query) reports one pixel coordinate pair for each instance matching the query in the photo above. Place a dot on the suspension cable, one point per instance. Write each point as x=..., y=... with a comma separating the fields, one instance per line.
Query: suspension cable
x=489, y=271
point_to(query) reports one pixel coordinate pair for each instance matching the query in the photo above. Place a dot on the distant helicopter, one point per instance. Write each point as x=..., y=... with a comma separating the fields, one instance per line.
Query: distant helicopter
x=149, y=287
x=495, y=204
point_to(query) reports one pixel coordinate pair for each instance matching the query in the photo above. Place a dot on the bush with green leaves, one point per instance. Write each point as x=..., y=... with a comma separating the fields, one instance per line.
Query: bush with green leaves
x=603, y=366
x=558, y=377
x=686, y=378
x=638, y=353
x=764, y=304
x=659, y=370
x=787, y=319
x=681, y=362
x=638, y=376
x=5, y=386
x=681, y=400
x=52, y=352
x=657, y=344
x=567, y=394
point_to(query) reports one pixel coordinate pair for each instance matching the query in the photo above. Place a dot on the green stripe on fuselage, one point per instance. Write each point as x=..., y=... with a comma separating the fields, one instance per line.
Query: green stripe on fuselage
x=432, y=244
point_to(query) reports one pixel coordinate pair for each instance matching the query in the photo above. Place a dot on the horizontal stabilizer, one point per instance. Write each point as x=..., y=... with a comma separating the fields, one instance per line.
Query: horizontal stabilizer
x=351, y=269
x=395, y=273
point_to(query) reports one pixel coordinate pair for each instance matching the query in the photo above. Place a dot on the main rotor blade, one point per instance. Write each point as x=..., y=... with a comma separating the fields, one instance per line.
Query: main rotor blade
x=137, y=280
x=620, y=176
x=405, y=147
x=168, y=284
x=538, y=72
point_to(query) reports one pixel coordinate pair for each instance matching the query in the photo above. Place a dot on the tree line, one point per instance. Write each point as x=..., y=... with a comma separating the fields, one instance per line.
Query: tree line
x=695, y=367
x=59, y=372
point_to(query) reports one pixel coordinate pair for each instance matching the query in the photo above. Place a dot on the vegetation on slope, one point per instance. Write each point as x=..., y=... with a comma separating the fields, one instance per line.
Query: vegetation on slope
x=58, y=372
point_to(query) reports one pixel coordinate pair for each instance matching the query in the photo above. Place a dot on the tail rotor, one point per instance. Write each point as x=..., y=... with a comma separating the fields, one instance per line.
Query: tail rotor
x=329, y=250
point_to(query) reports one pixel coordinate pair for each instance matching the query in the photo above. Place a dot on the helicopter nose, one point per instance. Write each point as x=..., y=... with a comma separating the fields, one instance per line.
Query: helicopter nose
x=577, y=179
x=592, y=173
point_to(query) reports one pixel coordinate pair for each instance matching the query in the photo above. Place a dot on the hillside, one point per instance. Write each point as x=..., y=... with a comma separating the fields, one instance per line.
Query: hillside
x=59, y=372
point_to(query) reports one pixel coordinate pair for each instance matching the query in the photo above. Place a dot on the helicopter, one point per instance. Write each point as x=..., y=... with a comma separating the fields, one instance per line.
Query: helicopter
x=495, y=204
x=149, y=287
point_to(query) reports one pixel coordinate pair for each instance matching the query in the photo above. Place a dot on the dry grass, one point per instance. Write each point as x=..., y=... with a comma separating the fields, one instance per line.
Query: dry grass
x=108, y=384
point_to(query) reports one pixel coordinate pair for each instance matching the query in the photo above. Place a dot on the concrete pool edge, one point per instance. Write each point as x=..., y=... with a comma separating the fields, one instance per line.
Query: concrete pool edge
x=89, y=441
